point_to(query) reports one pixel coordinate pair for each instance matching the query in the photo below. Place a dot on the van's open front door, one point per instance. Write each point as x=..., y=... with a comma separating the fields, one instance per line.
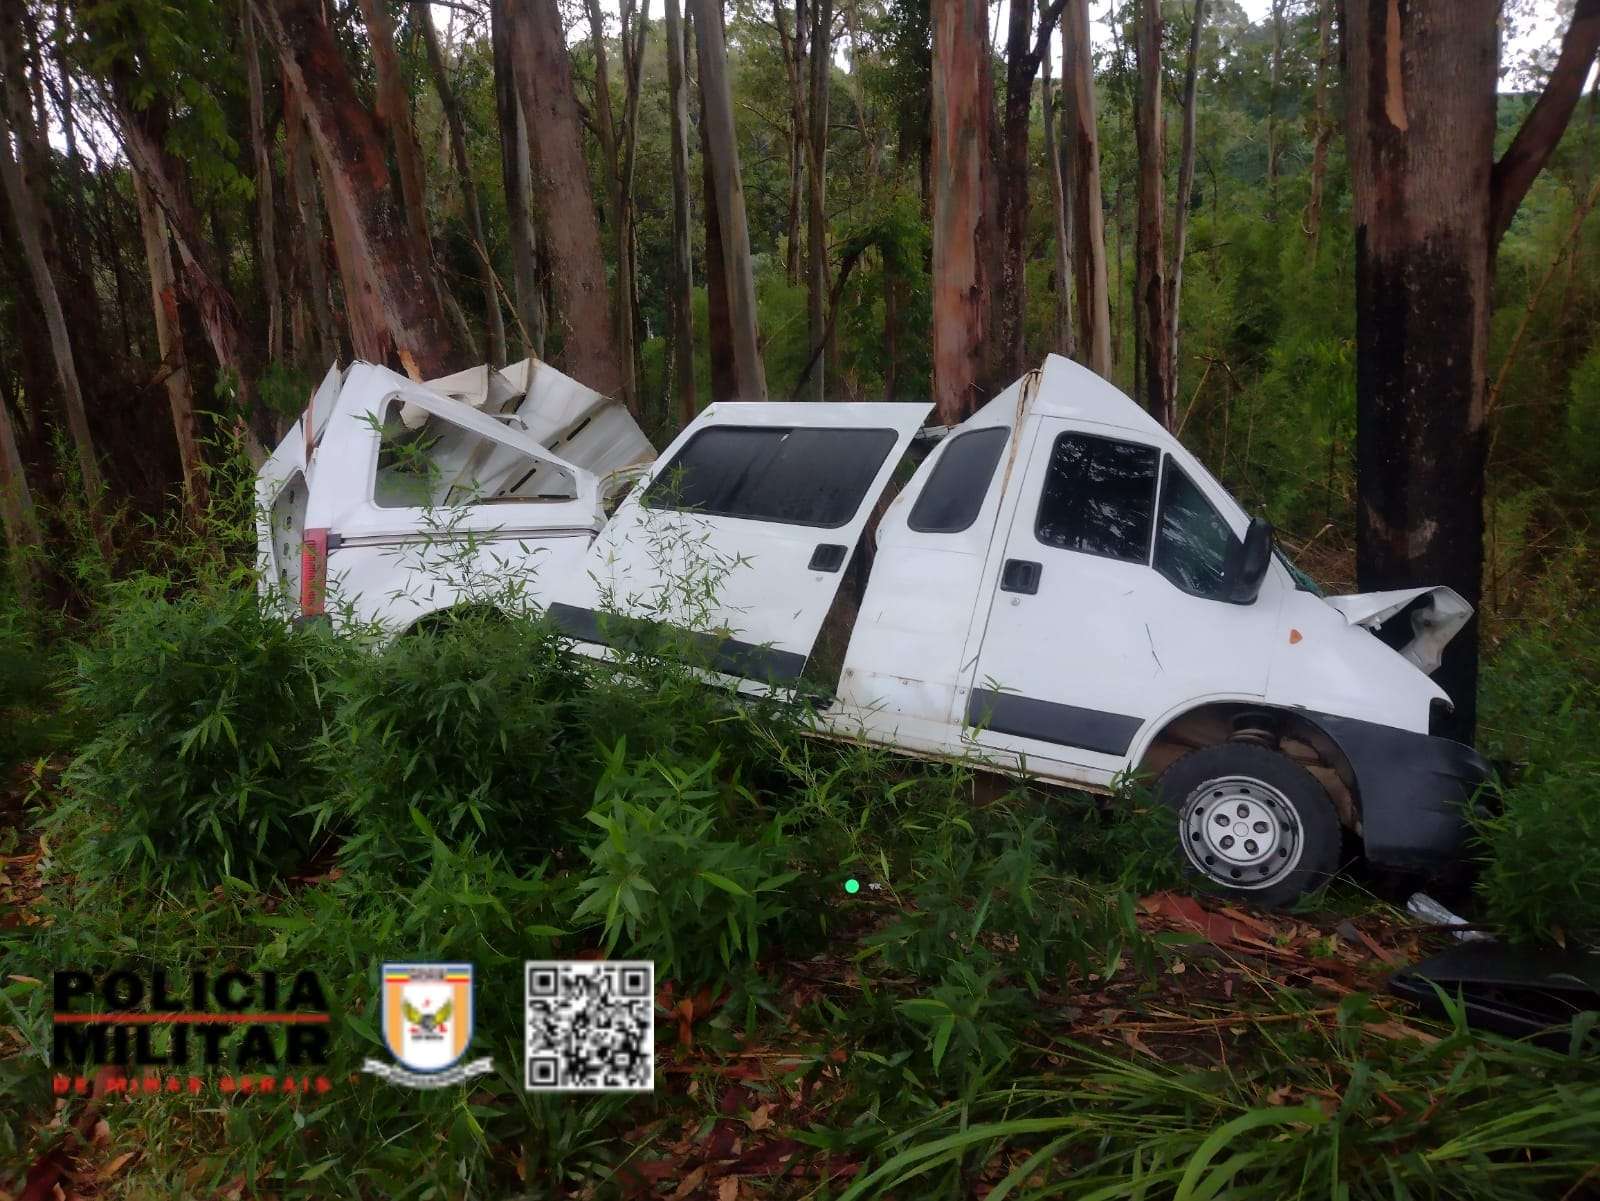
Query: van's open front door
x=738, y=538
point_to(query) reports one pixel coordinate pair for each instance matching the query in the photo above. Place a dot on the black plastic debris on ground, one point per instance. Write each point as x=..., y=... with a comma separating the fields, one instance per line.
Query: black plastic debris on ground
x=1518, y=993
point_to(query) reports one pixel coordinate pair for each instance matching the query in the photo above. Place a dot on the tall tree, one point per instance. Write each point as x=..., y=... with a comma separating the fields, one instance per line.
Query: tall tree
x=169, y=341
x=22, y=176
x=1430, y=205
x=963, y=225
x=1321, y=124
x=680, y=294
x=380, y=253
x=311, y=264
x=1062, y=222
x=266, y=208
x=792, y=50
x=495, y=341
x=1274, y=80
x=723, y=157
x=1150, y=298
x=1024, y=49
x=1180, y=206
x=821, y=66
x=1081, y=130
x=517, y=177
x=571, y=231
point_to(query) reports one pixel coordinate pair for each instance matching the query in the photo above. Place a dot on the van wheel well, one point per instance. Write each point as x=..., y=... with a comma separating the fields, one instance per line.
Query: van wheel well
x=1281, y=730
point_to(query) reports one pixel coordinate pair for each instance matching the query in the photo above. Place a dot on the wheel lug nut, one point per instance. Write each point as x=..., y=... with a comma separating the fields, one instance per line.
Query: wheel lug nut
x=1227, y=841
x=1250, y=846
x=1244, y=810
x=1259, y=827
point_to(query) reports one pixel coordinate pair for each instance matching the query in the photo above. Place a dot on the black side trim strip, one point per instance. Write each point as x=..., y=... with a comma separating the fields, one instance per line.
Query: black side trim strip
x=724, y=654
x=1067, y=725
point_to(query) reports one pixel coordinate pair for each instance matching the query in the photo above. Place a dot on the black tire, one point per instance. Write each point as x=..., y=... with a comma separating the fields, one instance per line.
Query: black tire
x=1252, y=824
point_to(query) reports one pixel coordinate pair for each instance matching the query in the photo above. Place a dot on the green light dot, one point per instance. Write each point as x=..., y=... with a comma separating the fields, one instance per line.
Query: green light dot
x=852, y=886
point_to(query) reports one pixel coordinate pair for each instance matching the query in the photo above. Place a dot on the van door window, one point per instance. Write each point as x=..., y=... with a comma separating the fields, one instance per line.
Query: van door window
x=439, y=464
x=954, y=493
x=1099, y=497
x=1193, y=542
x=795, y=476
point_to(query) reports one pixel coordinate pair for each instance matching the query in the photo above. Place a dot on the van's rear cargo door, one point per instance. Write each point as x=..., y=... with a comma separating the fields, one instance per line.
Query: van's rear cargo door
x=739, y=535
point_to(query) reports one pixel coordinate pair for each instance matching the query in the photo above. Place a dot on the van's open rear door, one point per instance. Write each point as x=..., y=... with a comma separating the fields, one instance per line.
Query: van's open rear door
x=739, y=536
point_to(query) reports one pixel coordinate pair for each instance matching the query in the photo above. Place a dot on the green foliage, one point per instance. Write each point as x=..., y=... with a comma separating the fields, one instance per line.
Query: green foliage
x=662, y=881
x=464, y=731
x=201, y=713
x=27, y=723
x=1540, y=878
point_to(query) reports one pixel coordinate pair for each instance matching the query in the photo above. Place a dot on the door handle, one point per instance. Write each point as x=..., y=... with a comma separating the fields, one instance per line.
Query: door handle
x=1020, y=575
x=829, y=556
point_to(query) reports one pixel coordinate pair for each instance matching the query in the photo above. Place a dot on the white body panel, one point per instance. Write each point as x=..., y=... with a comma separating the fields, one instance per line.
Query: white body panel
x=740, y=578
x=389, y=564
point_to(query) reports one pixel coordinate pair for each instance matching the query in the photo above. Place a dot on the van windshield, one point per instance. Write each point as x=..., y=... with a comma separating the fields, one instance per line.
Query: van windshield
x=1302, y=581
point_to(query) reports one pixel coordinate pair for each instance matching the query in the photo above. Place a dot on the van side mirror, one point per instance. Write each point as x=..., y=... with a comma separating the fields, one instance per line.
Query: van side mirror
x=1250, y=560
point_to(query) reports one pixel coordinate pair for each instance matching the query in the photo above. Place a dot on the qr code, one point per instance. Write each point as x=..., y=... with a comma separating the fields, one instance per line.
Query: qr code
x=591, y=1026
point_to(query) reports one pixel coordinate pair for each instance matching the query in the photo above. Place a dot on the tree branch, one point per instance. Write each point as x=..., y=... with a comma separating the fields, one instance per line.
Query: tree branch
x=1541, y=131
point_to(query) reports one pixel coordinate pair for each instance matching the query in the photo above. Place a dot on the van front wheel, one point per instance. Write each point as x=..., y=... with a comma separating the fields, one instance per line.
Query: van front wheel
x=1252, y=823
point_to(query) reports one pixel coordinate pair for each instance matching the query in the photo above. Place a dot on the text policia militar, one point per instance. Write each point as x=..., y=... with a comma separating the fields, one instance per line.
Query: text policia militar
x=266, y=1021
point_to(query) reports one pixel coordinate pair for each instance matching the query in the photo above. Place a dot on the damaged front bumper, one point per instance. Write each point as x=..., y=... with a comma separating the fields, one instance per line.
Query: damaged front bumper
x=1416, y=791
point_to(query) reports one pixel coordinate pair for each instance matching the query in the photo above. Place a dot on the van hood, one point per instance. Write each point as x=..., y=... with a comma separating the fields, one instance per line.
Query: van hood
x=1432, y=624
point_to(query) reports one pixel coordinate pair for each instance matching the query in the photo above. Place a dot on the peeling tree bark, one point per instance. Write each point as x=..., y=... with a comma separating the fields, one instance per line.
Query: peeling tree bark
x=723, y=156
x=516, y=175
x=561, y=183
x=303, y=187
x=1428, y=201
x=378, y=251
x=1092, y=292
x=394, y=116
x=1150, y=299
x=266, y=210
x=680, y=298
x=494, y=322
x=169, y=340
x=962, y=306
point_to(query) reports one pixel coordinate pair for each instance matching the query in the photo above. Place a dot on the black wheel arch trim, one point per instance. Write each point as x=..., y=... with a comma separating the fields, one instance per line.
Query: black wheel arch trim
x=1414, y=790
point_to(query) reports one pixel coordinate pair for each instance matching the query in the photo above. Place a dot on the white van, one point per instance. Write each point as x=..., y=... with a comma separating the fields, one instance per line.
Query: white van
x=1059, y=589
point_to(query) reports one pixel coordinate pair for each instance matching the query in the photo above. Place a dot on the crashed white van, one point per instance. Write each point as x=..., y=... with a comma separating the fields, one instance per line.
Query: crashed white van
x=411, y=498
x=1058, y=589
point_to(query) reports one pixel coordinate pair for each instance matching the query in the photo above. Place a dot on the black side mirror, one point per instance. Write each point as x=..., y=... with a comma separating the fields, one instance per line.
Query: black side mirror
x=1248, y=566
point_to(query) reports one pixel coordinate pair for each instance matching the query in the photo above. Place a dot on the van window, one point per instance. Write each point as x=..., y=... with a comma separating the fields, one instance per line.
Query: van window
x=1192, y=541
x=439, y=464
x=1099, y=496
x=773, y=473
x=954, y=493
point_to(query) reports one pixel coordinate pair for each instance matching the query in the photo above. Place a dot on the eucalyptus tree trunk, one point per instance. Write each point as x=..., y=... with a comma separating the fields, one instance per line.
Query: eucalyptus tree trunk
x=23, y=181
x=380, y=253
x=516, y=175
x=719, y=320
x=394, y=116
x=266, y=209
x=1058, y=210
x=495, y=341
x=169, y=340
x=1430, y=206
x=680, y=297
x=1150, y=299
x=962, y=113
x=1322, y=125
x=818, y=327
x=723, y=156
x=1091, y=289
x=23, y=535
x=634, y=28
x=1180, y=205
x=792, y=49
x=302, y=180
x=571, y=231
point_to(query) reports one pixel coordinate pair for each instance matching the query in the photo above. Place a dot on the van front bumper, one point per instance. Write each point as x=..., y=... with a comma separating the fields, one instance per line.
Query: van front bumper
x=1416, y=791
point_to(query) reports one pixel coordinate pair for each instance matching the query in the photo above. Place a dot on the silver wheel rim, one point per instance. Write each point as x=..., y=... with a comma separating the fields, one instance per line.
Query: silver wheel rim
x=1241, y=832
